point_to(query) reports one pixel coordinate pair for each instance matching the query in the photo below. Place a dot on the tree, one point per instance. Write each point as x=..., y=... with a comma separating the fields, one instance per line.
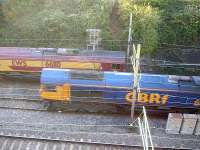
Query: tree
x=145, y=22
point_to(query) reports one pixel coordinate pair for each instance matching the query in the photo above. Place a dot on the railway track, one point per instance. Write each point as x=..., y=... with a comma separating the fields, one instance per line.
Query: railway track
x=129, y=140
x=74, y=135
x=86, y=129
x=29, y=142
x=78, y=105
x=25, y=98
x=73, y=106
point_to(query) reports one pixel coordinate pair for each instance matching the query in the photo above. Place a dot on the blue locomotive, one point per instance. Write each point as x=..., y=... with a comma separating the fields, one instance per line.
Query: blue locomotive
x=163, y=91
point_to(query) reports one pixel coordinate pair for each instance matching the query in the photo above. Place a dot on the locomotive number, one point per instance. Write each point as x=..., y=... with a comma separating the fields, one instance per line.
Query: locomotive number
x=19, y=62
x=197, y=102
x=152, y=98
x=53, y=64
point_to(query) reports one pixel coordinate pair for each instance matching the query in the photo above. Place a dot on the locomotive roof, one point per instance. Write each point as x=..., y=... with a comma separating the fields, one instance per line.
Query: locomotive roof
x=118, y=79
x=64, y=54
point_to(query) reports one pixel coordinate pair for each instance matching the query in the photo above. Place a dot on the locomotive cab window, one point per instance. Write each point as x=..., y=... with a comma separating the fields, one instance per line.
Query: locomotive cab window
x=179, y=79
x=182, y=81
x=115, y=66
x=196, y=80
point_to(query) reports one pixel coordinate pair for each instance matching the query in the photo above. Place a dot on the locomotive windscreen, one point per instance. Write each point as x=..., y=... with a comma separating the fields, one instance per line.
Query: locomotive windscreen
x=86, y=75
x=196, y=80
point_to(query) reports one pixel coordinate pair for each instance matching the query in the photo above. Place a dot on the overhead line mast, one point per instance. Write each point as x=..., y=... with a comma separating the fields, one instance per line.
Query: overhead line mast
x=135, y=65
x=129, y=35
x=135, y=60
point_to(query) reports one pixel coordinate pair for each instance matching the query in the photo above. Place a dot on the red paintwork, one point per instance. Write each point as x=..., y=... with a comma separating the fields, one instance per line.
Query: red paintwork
x=31, y=54
x=106, y=66
x=26, y=68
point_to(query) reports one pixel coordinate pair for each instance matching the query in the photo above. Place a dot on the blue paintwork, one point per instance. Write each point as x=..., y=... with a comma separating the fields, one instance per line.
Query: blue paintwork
x=54, y=76
x=116, y=85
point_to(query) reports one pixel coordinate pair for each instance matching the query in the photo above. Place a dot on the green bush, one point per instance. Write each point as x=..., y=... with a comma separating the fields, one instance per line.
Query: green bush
x=154, y=22
x=145, y=23
x=49, y=19
x=162, y=21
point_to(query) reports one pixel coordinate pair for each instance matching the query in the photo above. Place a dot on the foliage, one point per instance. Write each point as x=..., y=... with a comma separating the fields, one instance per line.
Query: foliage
x=154, y=22
x=50, y=19
x=178, y=71
x=145, y=22
x=180, y=22
x=162, y=21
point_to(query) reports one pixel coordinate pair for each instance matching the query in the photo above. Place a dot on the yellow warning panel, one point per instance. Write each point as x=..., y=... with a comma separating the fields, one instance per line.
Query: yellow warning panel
x=61, y=93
